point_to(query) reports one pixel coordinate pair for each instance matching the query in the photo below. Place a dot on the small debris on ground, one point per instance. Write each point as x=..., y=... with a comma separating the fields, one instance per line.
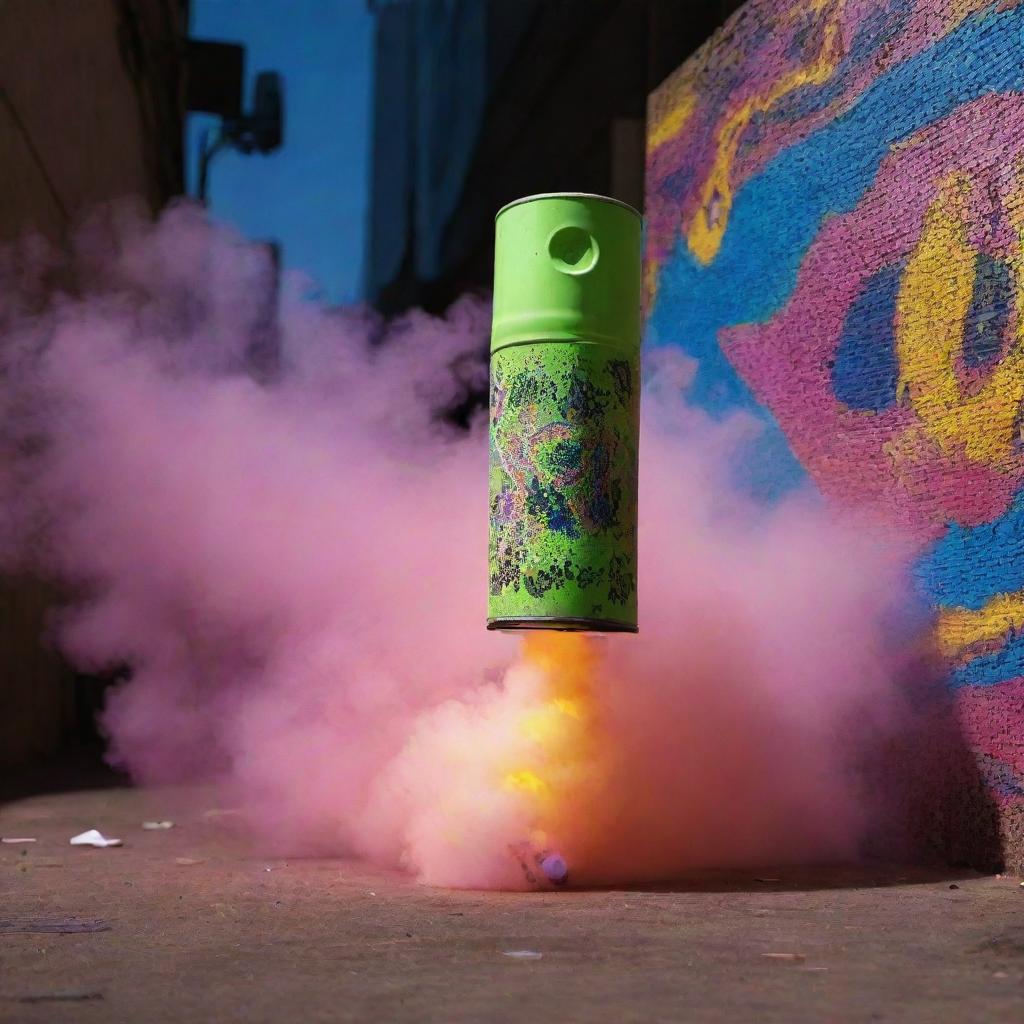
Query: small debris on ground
x=953, y=885
x=17, y=839
x=93, y=837
x=522, y=954
x=157, y=826
x=767, y=879
x=187, y=862
x=791, y=957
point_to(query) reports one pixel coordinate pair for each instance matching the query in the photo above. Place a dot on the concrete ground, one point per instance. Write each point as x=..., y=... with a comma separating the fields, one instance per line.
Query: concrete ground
x=185, y=925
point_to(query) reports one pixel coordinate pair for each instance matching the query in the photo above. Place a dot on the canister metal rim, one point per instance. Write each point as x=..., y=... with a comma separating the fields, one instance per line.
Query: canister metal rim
x=560, y=623
x=569, y=195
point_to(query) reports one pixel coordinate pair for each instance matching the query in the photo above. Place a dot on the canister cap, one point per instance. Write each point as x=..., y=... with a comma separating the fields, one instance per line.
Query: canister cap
x=567, y=268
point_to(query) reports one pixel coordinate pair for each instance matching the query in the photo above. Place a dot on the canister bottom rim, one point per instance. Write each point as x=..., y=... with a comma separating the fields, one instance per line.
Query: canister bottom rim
x=565, y=624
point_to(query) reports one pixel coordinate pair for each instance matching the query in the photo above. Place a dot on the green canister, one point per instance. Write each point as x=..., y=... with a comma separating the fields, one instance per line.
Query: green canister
x=564, y=415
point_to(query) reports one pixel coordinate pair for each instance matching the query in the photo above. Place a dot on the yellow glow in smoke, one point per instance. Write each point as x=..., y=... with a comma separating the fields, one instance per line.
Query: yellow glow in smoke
x=553, y=721
x=528, y=781
x=567, y=706
x=561, y=754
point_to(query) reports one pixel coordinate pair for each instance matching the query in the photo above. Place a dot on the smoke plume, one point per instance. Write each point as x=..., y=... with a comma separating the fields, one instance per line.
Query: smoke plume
x=265, y=516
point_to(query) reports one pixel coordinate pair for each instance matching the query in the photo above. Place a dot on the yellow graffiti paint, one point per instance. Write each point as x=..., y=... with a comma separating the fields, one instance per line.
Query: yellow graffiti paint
x=933, y=303
x=707, y=228
x=651, y=271
x=673, y=122
x=959, y=629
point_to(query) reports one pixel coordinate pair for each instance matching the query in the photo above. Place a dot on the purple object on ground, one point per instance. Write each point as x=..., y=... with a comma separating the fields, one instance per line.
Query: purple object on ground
x=555, y=868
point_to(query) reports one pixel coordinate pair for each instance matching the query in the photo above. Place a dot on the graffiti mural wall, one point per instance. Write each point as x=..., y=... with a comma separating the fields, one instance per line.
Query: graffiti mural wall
x=835, y=217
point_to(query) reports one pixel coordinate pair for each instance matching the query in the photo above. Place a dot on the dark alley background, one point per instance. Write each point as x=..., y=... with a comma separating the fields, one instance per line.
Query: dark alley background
x=367, y=144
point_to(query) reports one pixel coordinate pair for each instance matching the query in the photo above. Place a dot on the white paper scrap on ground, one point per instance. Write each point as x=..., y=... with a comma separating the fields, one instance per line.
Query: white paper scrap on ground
x=154, y=826
x=93, y=837
x=523, y=954
x=17, y=839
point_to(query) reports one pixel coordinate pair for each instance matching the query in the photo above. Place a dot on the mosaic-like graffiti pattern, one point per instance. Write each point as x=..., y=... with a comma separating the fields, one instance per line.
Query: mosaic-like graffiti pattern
x=835, y=225
x=563, y=475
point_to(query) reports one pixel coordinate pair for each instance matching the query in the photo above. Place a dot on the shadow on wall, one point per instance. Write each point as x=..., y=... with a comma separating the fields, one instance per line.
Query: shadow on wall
x=932, y=804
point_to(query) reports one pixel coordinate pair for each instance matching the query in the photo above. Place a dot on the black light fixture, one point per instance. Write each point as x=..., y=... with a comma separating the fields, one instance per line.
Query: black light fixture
x=261, y=130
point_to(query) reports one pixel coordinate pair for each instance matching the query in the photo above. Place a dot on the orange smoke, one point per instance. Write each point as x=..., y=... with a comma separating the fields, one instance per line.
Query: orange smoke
x=562, y=766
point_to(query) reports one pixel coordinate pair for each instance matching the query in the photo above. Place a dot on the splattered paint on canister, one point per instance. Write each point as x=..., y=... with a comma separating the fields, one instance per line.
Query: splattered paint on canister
x=564, y=415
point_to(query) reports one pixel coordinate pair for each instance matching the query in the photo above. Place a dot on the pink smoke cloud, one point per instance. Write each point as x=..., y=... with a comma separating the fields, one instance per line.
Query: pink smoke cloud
x=294, y=569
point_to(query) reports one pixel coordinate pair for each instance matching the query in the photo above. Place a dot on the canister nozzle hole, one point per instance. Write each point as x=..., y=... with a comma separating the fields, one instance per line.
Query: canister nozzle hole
x=573, y=250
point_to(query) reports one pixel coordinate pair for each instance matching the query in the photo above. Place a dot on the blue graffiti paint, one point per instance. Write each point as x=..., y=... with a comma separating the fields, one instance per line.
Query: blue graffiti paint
x=989, y=315
x=969, y=564
x=991, y=669
x=999, y=777
x=865, y=368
